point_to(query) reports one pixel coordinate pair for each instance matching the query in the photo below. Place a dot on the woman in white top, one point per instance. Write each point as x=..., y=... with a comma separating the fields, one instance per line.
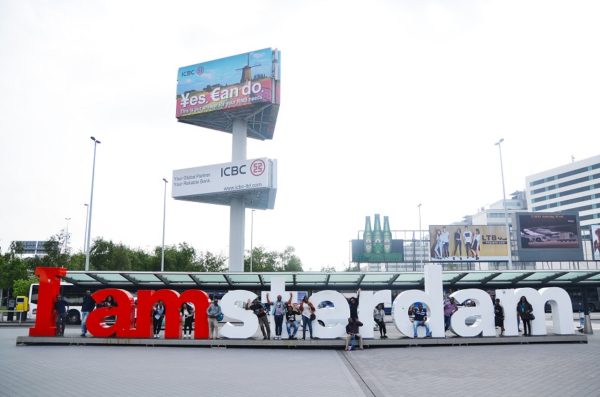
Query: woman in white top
x=379, y=317
x=307, y=309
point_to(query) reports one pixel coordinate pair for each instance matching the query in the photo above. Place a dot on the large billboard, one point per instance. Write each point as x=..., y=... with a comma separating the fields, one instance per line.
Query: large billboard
x=468, y=242
x=549, y=236
x=212, y=94
x=377, y=244
x=254, y=180
x=548, y=230
x=596, y=242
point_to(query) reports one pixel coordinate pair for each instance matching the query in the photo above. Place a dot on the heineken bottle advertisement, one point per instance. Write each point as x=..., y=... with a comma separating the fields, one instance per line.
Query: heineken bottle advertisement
x=377, y=244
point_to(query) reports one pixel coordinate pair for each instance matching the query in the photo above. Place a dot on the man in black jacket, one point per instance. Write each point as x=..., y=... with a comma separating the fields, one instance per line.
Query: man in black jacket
x=88, y=305
x=61, y=307
x=352, y=332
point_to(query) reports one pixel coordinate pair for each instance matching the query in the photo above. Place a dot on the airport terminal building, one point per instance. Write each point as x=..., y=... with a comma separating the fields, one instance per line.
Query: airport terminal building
x=571, y=187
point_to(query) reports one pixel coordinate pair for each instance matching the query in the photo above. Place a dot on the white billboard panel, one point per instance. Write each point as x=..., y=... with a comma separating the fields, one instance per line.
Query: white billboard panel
x=254, y=180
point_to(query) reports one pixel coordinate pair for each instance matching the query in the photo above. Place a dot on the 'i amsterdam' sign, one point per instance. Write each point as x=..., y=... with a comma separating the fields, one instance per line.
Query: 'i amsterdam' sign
x=126, y=326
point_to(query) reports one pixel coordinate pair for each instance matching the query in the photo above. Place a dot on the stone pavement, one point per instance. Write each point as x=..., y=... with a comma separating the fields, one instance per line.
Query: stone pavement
x=525, y=370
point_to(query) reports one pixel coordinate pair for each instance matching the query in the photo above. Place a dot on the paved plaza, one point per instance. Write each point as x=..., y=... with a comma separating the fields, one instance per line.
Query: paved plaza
x=541, y=370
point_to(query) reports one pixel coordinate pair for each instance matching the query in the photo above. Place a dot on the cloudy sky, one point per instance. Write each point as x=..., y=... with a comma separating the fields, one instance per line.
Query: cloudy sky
x=385, y=105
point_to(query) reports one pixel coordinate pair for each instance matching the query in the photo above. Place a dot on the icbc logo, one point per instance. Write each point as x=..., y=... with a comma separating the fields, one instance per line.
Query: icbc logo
x=257, y=167
x=233, y=171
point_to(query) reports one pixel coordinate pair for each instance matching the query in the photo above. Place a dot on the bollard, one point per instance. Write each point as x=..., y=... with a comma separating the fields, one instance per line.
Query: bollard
x=587, y=325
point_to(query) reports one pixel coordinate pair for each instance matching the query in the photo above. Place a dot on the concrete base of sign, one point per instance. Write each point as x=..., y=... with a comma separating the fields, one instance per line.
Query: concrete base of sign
x=301, y=344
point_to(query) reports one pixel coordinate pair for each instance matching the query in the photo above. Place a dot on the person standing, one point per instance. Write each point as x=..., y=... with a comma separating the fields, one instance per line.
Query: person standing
x=279, y=307
x=158, y=314
x=308, y=315
x=353, y=333
x=214, y=311
x=261, y=314
x=468, y=238
x=445, y=237
x=187, y=312
x=353, y=304
x=379, y=317
x=438, y=245
x=525, y=311
x=86, y=307
x=476, y=244
x=61, y=307
x=450, y=307
x=499, y=316
x=457, y=244
x=11, y=305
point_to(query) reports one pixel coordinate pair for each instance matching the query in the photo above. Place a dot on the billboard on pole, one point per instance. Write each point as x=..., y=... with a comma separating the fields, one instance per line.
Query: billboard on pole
x=213, y=93
x=549, y=236
x=253, y=180
x=468, y=242
x=377, y=244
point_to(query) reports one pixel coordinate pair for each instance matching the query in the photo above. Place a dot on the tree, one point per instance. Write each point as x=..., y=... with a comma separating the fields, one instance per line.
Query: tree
x=208, y=262
x=11, y=269
x=21, y=286
x=328, y=269
x=54, y=256
x=273, y=261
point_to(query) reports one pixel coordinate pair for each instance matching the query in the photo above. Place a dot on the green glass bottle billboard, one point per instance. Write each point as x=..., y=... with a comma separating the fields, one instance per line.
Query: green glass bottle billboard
x=377, y=245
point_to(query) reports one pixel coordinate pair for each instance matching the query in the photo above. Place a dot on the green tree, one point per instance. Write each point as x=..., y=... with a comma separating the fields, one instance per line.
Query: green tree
x=273, y=261
x=21, y=286
x=327, y=269
x=209, y=262
x=12, y=268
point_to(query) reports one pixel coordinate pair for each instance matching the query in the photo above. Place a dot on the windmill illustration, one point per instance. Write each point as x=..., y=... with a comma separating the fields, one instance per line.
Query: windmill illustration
x=247, y=71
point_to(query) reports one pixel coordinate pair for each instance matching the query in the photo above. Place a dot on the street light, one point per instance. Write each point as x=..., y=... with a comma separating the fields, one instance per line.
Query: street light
x=66, y=243
x=89, y=222
x=251, y=237
x=162, y=257
x=499, y=144
x=420, y=235
x=87, y=214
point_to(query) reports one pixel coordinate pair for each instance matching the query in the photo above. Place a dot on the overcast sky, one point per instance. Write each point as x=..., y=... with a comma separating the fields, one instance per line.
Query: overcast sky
x=385, y=105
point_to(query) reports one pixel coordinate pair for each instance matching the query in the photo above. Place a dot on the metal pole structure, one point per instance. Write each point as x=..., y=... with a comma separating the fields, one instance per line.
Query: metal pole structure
x=420, y=236
x=89, y=228
x=251, y=237
x=237, y=207
x=508, y=242
x=162, y=256
x=87, y=214
x=66, y=244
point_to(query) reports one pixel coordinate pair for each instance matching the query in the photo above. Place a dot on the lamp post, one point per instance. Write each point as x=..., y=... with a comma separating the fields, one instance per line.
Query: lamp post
x=420, y=235
x=499, y=144
x=251, y=237
x=89, y=222
x=66, y=243
x=87, y=214
x=162, y=256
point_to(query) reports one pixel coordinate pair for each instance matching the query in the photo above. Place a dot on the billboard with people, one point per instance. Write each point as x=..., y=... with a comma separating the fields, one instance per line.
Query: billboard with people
x=596, y=242
x=468, y=242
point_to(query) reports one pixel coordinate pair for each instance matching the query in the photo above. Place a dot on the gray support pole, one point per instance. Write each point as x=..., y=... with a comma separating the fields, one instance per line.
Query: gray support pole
x=508, y=239
x=237, y=209
x=87, y=252
x=162, y=254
